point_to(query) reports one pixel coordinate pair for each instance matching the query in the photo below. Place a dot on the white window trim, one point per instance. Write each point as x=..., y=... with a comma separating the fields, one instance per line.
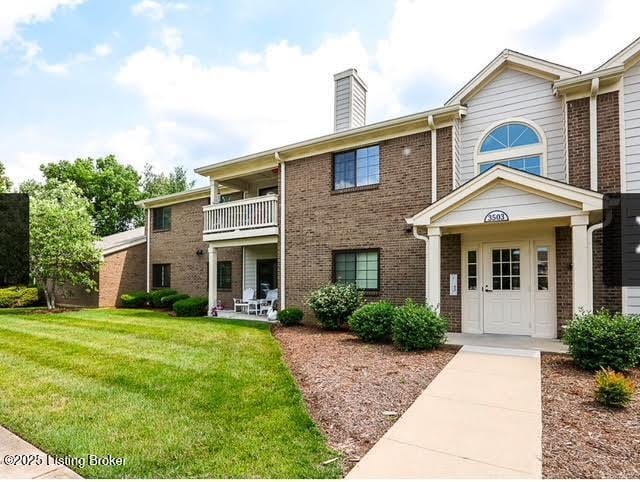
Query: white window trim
x=514, y=152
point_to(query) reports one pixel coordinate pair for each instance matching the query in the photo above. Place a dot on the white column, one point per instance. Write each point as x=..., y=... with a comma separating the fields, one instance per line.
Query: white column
x=434, y=267
x=580, y=264
x=213, y=278
x=282, y=240
x=215, y=192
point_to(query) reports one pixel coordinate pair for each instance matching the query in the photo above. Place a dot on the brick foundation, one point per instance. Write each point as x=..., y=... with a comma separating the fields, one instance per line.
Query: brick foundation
x=564, y=276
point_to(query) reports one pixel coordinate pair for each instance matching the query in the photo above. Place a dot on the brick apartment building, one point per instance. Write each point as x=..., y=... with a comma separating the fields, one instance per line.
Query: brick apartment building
x=488, y=207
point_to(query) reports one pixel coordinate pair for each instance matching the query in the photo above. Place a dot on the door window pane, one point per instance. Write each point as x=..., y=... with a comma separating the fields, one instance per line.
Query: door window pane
x=542, y=258
x=472, y=271
x=505, y=268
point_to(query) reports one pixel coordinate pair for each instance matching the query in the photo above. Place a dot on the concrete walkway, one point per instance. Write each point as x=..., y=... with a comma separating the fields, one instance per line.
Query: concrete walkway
x=479, y=418
x=34, y=462
x=508, y=341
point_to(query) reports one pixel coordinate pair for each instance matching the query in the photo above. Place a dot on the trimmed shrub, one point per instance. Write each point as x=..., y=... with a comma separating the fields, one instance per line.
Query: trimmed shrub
x=155, y=297
x=290, y=316
x=613, y=389
x=136, y=299
x=604, y=340
x=169, y=300
x=417, y=327
x=373, y=322
x=19, y=296
x=333, y=304
x=191, y=306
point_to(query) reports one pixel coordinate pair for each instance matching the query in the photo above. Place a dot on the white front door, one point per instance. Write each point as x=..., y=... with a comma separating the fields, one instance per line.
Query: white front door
x=507, y=300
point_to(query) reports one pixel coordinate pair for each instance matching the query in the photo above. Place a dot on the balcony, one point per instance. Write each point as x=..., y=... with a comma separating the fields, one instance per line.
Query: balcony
x=252, y=217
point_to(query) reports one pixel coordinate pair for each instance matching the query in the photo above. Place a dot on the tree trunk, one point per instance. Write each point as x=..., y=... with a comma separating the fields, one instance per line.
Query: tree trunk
x=49, y=288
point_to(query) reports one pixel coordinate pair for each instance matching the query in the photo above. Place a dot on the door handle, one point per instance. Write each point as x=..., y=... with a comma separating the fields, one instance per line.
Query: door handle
x=487, y=290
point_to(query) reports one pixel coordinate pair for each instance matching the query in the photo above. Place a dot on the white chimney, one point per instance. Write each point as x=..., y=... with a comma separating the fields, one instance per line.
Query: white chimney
x=350, y=100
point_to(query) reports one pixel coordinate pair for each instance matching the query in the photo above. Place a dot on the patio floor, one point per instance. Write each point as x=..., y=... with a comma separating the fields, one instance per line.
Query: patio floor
x=237, y=315
x=507, y=341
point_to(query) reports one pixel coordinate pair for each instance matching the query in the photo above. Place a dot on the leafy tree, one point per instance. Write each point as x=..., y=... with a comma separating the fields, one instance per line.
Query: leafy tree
x=62, y=244
x=112, y=189
x=161, y=184
x=5, y=182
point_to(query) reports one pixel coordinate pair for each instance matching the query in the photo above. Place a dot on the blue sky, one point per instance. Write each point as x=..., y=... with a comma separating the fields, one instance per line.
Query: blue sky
x=193, y=82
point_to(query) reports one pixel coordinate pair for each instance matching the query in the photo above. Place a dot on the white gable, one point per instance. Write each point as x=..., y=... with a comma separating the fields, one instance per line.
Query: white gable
x=516, y=203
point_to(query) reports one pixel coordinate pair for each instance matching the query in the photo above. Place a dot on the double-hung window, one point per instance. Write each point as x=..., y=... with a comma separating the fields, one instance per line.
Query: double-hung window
x=162, y=218
x=224, y=275
x=360, y=167
x=361, y=268
x=161, y=276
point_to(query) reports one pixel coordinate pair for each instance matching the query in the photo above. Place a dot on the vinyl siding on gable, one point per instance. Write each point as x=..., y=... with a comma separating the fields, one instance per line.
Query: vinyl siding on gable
x=514, y=94
x=632, y=153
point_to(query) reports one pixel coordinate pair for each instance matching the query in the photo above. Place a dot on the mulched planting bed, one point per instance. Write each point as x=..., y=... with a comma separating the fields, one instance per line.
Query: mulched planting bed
x=580, y=438
x=348, y=384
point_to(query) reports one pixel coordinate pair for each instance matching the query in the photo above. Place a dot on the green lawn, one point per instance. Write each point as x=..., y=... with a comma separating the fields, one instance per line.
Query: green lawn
x=176, y=397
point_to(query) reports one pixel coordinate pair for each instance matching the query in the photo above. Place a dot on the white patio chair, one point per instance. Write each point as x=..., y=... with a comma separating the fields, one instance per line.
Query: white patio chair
x=247, y=297
x=269, y=302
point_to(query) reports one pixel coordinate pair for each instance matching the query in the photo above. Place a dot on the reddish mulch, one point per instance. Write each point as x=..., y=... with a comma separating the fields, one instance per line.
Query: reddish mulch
x=348, y=384
x=45, y=311
x=580, y=438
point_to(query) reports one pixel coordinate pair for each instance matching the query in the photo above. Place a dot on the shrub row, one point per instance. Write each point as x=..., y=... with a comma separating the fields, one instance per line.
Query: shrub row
x=182, y=304
x=19, y=296
x=411, y=326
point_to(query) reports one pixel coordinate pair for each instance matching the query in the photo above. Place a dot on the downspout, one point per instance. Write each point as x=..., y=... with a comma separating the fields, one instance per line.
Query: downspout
x=426, y=260
x=281, y=197
x=434, y=159
x=590, y=232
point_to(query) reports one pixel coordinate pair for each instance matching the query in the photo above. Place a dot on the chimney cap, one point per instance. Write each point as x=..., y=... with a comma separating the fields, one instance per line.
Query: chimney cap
x=352, y=72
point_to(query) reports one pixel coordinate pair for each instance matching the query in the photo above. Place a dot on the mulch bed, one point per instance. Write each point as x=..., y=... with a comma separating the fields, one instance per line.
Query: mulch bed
x=348, y=384
x=580, y=438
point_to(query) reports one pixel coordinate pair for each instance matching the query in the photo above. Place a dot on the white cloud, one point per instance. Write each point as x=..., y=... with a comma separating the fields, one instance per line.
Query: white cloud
x=28, y=11
x=156, y=10
x=102, y=50
x=171, y=38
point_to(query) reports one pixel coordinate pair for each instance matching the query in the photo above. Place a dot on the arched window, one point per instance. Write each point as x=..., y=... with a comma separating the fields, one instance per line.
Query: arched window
x=514, y=144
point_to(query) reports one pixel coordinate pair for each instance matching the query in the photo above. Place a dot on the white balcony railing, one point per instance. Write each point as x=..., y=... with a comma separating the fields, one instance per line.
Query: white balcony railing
x=252, y=213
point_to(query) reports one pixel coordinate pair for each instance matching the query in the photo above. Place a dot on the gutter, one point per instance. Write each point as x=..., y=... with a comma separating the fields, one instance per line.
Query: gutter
x=440, y=111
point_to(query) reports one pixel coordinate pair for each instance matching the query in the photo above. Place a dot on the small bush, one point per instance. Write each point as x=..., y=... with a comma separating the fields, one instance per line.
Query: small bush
x=333, y=304
x=613, y=389
x=290, y=316
x=169, y=300
x=416, y=327
x=137, y=299
x=18, y=296
x=191, y=306
x=373, y=322
x=604, y=340
x=155, y=297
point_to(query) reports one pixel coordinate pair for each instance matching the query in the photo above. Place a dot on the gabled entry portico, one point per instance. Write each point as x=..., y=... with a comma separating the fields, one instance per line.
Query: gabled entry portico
x=507, y=222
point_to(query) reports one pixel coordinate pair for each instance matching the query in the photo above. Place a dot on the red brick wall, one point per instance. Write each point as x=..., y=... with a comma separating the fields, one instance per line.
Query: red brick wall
x=608, y=126
x=235, y=256
x=179, y=245
x=122, y=272
x=444, y=162
x=319, y=220
x=578, y=143
x=564, y=277
x=451, y=306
